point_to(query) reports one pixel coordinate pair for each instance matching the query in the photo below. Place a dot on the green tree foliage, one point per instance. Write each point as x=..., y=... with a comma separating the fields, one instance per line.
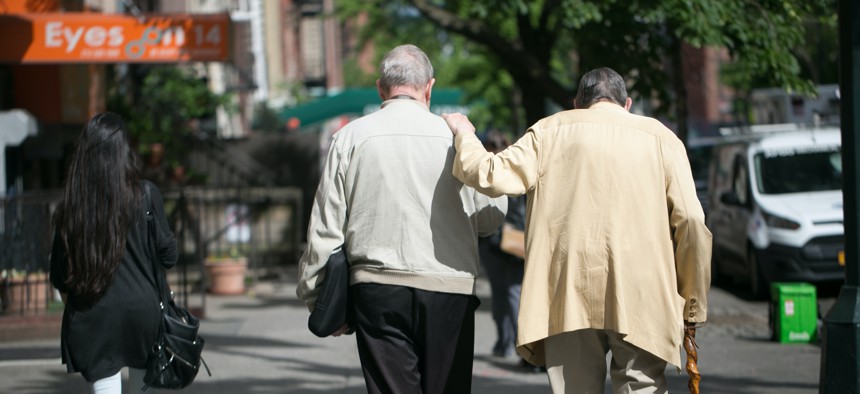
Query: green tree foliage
x=457, y=62
x=545, y=45
x=819, y=56
x=266, y=119
x=166, y=106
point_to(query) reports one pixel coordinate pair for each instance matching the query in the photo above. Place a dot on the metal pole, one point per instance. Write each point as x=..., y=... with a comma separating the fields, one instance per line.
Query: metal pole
x=841, y=332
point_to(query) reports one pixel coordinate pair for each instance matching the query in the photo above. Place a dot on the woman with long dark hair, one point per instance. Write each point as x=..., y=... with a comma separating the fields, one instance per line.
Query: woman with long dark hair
x=101, y=262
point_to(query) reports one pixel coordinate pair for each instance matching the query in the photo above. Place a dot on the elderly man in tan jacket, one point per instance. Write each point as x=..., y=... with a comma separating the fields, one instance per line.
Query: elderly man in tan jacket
x=617, y=252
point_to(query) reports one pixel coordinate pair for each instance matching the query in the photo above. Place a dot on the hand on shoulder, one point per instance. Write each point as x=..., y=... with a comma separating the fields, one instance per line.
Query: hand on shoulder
x=458, y=123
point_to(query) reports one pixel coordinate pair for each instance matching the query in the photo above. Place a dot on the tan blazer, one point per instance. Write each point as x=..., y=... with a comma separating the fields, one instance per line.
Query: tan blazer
x=615, y=236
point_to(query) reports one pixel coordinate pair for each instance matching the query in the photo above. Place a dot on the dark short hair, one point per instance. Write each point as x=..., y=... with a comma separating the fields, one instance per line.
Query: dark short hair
x=601, y=84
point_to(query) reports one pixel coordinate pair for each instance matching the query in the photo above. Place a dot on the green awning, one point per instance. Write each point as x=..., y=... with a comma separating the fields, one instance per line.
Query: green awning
x=359, y=102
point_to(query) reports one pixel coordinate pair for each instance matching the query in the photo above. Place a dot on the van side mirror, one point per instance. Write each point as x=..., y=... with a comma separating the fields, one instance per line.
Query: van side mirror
x=730, y=198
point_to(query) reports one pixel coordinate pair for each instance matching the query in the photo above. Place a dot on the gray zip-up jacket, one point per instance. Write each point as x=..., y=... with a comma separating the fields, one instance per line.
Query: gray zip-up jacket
x=388, y=195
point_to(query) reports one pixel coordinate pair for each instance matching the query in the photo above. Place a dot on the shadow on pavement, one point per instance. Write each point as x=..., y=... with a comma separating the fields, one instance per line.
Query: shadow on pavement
x=265, y=302
x=31, y=352
x=215, y=342
x=54, y=382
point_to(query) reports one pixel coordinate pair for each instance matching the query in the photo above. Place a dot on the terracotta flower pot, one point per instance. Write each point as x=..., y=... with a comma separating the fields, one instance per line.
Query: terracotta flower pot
x=226, y=276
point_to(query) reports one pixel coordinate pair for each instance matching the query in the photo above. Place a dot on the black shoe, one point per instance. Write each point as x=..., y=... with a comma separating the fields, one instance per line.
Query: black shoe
x=529, y=367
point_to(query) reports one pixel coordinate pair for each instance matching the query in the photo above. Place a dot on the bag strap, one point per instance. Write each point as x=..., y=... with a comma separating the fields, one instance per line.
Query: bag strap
x=156, y=271
x=159, y=275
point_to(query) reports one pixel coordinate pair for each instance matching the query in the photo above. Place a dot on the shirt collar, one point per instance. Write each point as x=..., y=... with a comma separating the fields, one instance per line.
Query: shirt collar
x=403, y=101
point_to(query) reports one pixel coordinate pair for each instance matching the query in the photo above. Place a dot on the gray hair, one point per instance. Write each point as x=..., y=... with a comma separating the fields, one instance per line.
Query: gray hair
x=405, y=65
x=601, y=84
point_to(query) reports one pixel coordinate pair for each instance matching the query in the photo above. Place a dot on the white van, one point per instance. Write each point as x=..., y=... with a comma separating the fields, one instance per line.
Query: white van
x=776, y=208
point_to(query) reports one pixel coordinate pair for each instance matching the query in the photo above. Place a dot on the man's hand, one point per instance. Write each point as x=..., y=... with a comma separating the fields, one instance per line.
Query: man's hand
x=458, y=123
x=344, y=329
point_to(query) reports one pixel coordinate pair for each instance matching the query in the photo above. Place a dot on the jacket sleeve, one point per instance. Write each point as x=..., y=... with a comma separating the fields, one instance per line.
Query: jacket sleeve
x=327, y=226
x=165, y=242
x=490, y=213
x=690, y=236
x=513, y=171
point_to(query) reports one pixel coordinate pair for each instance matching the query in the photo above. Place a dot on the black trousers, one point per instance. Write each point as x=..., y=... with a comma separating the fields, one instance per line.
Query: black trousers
x=414, y=341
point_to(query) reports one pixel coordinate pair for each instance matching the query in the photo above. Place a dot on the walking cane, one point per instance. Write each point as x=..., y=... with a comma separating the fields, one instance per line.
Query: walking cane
x=692, y=357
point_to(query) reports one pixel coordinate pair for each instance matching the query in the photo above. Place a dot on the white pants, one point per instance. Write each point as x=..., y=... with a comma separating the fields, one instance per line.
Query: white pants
x=576, y=363
x=113, y=384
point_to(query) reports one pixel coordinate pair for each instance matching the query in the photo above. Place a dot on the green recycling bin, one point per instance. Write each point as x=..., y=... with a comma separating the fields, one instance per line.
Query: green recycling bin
x=793, y=312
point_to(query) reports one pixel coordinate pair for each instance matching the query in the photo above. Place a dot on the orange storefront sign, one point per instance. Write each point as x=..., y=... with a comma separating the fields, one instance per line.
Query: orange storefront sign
x=107, y=38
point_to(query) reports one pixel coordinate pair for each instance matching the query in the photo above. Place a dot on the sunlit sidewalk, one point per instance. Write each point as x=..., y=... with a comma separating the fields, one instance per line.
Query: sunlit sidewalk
x=260, y=344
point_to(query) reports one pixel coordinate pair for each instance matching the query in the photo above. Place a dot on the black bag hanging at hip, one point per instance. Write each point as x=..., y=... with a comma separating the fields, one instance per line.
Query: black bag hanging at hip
x=175, y=358
x=332, y=309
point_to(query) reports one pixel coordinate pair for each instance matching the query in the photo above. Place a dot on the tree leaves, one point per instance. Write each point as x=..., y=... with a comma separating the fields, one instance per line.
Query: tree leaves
x=543, y=46
x=168, y=101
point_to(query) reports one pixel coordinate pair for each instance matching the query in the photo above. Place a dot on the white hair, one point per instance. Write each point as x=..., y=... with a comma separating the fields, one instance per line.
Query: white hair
x=405, y=65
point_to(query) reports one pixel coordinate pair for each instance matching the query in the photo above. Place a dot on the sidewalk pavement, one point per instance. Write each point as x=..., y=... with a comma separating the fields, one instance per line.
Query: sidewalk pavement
x=259, y=343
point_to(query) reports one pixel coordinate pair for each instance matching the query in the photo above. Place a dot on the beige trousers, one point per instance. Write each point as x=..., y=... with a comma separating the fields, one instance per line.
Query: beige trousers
x=576, y=363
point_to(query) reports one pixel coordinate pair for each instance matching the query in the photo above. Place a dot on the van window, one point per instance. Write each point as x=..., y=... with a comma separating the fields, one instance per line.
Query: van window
x=798, y=172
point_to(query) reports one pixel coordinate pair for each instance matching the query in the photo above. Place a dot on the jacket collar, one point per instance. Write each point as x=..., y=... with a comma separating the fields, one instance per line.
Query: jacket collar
x=404, y=101
x=608, y=105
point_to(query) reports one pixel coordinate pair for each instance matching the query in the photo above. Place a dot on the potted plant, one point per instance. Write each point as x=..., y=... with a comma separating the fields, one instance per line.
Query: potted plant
x=24, y=292
x=226, y=273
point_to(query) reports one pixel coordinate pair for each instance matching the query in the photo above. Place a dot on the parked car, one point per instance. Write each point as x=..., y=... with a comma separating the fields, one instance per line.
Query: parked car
x=699, y=152
x=775, y=208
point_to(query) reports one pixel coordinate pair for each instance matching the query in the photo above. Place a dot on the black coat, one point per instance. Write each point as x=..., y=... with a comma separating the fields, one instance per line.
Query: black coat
x=119, y=329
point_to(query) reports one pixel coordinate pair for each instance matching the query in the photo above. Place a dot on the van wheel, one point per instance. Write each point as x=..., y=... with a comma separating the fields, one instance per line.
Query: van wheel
x=758, y=285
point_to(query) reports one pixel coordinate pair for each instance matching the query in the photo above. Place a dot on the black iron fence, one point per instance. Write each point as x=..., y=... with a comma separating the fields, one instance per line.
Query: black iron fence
x=260, y=223
x=226, y=205
x=25, y=245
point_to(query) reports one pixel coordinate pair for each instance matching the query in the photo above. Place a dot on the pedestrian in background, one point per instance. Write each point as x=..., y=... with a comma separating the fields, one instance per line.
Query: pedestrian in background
x=410, y=231
x=504, y=270
x=617, y=252
x=100, y=260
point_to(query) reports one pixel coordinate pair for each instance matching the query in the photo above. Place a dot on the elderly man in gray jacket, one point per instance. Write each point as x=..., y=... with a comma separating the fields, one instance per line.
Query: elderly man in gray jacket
x=410, y=232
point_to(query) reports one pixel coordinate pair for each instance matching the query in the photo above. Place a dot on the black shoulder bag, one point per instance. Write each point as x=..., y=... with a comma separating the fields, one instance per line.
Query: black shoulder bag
x=332, y=309
x=174, y=359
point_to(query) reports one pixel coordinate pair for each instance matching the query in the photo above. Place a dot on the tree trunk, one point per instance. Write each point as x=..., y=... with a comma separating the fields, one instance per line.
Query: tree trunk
x=517, y=120
x=682, y=113
x=534, y=102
